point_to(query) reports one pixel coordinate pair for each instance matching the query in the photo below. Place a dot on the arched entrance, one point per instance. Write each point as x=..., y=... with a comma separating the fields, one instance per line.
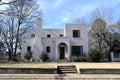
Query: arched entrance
x=63, y=51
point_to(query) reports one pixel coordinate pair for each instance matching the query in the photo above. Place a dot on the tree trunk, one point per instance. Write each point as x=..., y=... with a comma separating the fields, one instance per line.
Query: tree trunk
x=10, y=55
x=100, y=47
x=17, y=39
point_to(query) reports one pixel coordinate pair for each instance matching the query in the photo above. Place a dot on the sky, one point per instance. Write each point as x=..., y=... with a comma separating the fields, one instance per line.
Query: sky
x=55, y=13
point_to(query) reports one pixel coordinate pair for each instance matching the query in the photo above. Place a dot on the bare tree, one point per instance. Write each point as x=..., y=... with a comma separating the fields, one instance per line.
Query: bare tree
x=2, y=3
x=101, y=26
x=98, y=27
x=20, y=16
x=6, y=3
x=80, y=21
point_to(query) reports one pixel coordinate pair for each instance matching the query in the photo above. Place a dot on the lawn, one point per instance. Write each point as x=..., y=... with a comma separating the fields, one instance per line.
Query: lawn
x=29, y=65
x=54, y=64
x=115, y=65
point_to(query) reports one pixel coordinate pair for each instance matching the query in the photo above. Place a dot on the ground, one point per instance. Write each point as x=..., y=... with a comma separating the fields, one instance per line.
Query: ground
x=29, y=65
x=54, y=64
x=93, y=65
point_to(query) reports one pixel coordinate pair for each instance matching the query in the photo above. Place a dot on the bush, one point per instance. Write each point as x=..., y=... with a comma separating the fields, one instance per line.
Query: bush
x=75, y=59
x=15, y=59
x=28, y=55
x=83, y=59
x=44, y=56
x=94, y=55
x=18, y=57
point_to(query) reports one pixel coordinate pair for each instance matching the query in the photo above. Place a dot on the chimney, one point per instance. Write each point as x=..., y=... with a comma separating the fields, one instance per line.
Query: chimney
x=39, y=23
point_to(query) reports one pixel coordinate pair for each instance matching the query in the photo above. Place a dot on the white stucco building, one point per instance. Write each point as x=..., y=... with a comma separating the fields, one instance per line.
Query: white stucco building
x=58, y=43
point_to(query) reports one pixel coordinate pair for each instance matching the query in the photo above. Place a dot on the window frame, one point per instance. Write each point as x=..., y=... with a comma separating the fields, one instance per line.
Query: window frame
x=76, y=34
x=61, y=35
x=48, y=35
x=32, y=35
x=74, y=50
x=48, y=49
x=28, y=48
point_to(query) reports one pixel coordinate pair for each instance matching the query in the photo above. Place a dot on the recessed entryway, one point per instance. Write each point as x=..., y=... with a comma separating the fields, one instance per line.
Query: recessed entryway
x=63, y=51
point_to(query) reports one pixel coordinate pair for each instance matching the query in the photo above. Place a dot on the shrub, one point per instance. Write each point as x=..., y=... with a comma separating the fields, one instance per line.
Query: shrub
x=83, y=59
x=15, y=59
x=28, y=55
x=18, y=57
x=75, y=59
x=44, y=56
x=94, y=55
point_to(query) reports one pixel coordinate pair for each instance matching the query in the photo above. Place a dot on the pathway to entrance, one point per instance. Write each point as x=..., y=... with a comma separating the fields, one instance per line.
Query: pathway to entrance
x=69, y=69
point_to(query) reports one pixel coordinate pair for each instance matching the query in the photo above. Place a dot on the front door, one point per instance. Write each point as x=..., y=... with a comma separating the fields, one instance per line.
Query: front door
x=62, y=52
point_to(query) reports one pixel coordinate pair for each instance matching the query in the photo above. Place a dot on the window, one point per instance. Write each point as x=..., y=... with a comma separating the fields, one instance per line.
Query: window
x=32, y=35
x=61, y=35
x=48, y=35
x=28, y=48
x=77, y=50
x=48, y=49
x=76, y=33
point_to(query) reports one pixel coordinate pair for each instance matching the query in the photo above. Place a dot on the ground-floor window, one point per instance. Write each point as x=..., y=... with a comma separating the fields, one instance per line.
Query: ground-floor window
x=77, y=50
x=48, y=49
x=28, y=48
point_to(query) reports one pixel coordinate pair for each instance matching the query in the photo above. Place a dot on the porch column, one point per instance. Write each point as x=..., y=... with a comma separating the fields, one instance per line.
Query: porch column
x=56, y=50
x=69, y=53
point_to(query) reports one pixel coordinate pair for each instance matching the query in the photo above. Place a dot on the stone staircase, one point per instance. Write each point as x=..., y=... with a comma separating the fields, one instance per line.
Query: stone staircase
x=66, y=69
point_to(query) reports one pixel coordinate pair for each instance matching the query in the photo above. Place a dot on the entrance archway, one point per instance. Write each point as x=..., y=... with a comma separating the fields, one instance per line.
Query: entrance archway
x=63, y=51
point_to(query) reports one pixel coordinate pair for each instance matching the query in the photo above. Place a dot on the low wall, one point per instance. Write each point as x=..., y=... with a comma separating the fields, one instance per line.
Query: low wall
x=99, y=71
x=28, y=70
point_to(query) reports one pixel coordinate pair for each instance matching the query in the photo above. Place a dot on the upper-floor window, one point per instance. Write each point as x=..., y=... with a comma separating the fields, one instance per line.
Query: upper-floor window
x=76, y=33
x=48, y=35
x=32, y=35
x=48, y=49
x=61, y=35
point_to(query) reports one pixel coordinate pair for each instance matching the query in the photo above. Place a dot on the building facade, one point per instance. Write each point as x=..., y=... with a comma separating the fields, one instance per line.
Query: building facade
x=57, y=43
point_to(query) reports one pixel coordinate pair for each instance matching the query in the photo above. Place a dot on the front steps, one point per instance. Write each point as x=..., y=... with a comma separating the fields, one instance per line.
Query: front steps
x=66, y=69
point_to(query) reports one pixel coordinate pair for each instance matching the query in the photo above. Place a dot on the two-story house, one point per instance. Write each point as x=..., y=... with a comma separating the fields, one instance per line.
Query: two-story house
x=58, y=43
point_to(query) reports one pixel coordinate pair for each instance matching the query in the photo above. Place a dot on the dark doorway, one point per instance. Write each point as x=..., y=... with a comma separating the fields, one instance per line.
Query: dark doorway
x=62, y=52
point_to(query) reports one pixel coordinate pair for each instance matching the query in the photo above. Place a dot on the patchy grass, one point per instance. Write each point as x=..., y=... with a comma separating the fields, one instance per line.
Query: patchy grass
x=28, y=65
x=115, y=65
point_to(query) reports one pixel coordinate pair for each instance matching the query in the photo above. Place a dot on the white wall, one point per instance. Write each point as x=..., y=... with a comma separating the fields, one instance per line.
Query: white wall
x=83, y=40
x=40, y=42
x=52, y=32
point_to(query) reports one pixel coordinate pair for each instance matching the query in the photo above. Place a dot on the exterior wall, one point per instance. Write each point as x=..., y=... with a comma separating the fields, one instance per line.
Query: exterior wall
x=35, y=43
x=40, y=41
x=49, y=42
x=82, y=41
x=52, y=32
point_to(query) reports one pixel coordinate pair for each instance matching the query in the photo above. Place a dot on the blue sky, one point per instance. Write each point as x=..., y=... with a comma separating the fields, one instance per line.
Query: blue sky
x=55, y=13
x=58, y=12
